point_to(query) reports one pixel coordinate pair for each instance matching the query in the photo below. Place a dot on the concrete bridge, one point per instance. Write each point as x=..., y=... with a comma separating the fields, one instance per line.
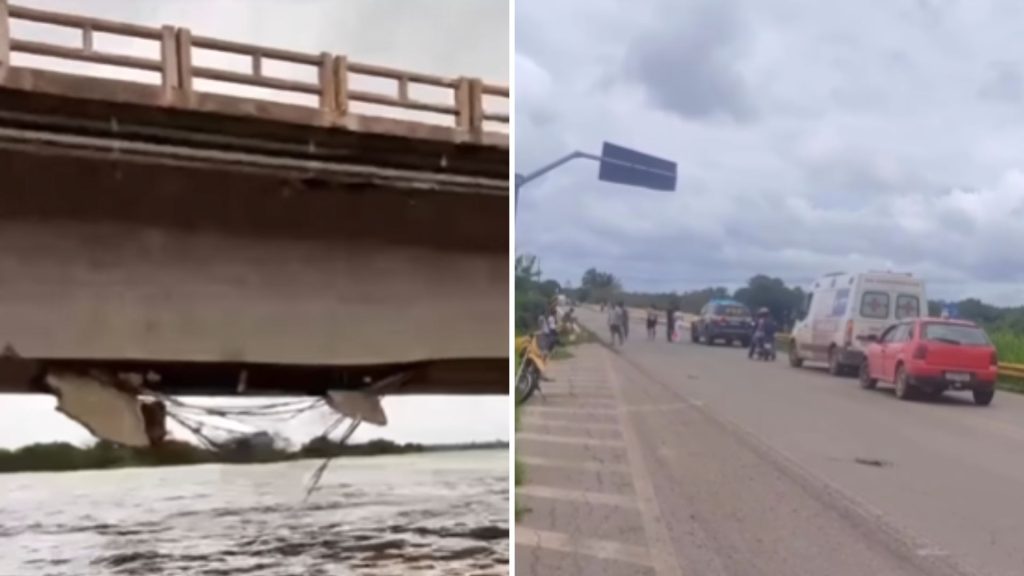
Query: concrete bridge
x=218, y=243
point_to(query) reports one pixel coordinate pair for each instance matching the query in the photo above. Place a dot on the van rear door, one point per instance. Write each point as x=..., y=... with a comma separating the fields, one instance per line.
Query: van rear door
x=882, y=301
x=872, y=313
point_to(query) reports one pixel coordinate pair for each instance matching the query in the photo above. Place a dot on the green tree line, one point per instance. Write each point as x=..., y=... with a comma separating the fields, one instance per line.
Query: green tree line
x=61, y=456
x=1004, y=324
x=533, y=295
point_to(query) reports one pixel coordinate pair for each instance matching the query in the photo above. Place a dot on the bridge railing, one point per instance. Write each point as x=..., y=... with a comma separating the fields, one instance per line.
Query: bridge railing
x=178, y=72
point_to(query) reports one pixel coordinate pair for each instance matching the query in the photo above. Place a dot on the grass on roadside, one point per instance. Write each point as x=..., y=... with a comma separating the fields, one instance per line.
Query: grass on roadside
x=1010, y=346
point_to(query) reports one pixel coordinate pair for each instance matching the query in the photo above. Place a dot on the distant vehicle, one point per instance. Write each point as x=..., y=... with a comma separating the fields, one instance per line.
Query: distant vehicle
x=932, y=355
x=726, y=320
x=843, y=310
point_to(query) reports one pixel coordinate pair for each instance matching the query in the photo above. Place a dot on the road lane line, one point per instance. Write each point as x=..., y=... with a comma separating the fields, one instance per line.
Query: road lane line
x=603, y=549
x=577, y=496
x=576, y=440
x=573, y=464
x=658, y=540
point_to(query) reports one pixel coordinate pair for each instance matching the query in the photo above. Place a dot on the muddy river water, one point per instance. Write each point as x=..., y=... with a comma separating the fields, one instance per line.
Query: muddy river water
x=442, y=513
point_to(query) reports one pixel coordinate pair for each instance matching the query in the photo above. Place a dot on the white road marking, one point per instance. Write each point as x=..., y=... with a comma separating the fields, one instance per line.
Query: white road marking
x=582, y=411
x=577, y=440
x=577, y=496
x=603, y=549
x=573, y=464
x=658, y=407
x=528, y=421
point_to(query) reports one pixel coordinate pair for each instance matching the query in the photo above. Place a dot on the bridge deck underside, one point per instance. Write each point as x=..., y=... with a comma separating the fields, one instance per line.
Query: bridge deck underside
x=203, y=271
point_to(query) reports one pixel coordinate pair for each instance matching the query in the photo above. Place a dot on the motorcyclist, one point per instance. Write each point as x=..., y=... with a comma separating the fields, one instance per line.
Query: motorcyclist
x=764, y=331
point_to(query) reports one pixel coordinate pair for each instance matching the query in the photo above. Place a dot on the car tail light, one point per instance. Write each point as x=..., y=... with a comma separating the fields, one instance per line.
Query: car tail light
x=921, y=352
x=849, y=332
x=994, y=359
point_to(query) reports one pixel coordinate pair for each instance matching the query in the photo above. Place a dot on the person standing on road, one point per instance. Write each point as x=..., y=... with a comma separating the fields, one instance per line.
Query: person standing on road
x=615, y=317
x=652, y=323
x=670, y=322
x=625, y=320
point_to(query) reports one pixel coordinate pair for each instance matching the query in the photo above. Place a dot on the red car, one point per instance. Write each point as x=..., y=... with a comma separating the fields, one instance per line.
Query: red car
x=932, y=355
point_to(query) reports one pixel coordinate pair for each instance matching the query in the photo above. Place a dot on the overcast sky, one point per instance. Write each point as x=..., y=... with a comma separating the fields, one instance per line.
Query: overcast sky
x=810, y=137
x=444, y=37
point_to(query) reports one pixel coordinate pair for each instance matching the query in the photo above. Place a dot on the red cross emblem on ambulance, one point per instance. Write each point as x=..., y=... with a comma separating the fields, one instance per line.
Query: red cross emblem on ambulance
x=907, y=309
x=875, y=305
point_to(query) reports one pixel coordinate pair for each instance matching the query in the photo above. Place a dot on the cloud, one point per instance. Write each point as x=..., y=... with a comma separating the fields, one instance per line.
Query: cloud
x=810, y=137
x=687, y=62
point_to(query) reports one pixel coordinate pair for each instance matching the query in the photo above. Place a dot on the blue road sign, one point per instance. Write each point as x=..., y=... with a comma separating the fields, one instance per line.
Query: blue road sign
x=622, y=165
x=951, y=311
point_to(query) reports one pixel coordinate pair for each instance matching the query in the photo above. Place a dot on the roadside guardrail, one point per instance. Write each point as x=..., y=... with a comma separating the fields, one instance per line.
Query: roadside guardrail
x=1011, y=370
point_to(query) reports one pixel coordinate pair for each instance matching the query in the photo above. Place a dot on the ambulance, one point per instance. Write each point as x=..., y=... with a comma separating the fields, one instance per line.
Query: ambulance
x=842, y=310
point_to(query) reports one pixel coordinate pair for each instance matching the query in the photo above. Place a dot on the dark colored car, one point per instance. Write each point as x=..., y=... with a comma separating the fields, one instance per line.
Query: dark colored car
x=932, y=355
x=723, y=320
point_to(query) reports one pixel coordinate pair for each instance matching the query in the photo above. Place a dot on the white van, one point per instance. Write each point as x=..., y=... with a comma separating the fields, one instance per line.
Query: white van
x=842, y=310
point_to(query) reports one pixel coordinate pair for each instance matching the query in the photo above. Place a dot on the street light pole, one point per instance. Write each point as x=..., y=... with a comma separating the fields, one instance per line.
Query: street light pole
x=639, y=172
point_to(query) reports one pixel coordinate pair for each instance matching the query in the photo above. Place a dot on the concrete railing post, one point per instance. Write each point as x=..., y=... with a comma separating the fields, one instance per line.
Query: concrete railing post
x=184, y=45
x=328, y=90
x=170, y=81
x=5, y=39
x=476, y=107
x=341, y=85
x=463, y=105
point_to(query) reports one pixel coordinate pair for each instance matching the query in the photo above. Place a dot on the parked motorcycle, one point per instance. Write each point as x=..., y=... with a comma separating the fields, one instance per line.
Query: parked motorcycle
x=532, y=364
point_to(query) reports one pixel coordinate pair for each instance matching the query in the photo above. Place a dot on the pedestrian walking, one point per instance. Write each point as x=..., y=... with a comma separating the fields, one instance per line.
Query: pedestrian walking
x=652, y=323
x=670, y=323
x=625, y=320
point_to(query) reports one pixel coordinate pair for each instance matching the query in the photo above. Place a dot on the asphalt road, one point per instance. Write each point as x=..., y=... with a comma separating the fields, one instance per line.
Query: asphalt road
x=941, y=479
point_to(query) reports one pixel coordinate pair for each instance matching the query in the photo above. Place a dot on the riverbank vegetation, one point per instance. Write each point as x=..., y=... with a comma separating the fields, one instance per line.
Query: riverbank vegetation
x=61, y=456
x=533, y=296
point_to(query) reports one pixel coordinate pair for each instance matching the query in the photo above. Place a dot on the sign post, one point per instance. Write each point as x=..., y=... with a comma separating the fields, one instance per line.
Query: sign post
x=618, y=165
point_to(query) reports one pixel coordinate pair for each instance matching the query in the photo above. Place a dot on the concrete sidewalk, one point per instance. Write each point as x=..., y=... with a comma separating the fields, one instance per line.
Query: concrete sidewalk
x=589, y=506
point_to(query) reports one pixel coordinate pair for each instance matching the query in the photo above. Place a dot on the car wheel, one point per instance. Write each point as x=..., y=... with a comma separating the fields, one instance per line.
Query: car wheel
x=834, y=367
x=866, y=381
x=983, y=397
x=794, y=358
x=903, y=391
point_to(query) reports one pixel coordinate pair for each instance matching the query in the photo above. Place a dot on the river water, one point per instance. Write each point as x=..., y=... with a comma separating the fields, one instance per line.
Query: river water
x=424, y=514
